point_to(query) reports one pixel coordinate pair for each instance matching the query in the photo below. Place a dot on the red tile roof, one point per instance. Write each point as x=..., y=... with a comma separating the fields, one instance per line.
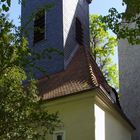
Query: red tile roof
x=81, y=74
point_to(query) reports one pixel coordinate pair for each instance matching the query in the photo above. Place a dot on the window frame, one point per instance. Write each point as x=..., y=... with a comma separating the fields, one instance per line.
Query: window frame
x=44, y=27
x=59, y=132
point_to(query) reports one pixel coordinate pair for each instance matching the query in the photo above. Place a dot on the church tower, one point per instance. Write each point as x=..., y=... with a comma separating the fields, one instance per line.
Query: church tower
x=76, y=88
x=63, y=27
x=129, y=71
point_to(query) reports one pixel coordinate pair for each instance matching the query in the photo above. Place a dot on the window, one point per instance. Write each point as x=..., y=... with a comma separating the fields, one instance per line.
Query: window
x=79, y=32
x=58, y=135
x=39, y=26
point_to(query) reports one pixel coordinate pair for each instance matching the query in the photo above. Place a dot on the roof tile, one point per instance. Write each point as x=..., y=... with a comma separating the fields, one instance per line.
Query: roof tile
x=81, y=74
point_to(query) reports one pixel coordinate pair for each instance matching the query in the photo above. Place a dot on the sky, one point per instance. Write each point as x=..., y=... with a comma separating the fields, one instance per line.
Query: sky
x=96, y=7
x=99, y=7
x=102, y=6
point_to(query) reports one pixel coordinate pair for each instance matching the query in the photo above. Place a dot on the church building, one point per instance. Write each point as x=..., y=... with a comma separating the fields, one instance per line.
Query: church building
x=76, y=88
x=129, y=69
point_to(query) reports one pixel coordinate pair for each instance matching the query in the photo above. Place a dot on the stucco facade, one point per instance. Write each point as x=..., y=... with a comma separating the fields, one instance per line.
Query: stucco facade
x=129, y=69
x=109, y=123
x=79, y=116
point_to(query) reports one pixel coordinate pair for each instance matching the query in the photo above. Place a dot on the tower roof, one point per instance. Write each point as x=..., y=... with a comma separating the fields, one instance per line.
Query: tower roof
x=81, y=74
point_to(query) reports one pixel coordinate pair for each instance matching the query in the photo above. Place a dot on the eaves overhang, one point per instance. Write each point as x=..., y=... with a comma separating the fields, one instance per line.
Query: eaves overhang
x=109, y=102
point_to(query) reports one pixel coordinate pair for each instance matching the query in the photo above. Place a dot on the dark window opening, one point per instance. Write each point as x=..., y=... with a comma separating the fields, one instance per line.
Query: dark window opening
x=79, y=32
x=39, y=26
x=59, y=137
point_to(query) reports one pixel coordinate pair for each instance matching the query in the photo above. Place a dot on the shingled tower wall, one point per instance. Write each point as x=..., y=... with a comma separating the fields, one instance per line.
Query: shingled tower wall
x=59, y=30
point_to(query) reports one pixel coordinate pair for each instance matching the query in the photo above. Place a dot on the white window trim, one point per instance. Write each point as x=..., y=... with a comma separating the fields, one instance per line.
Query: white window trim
x=61, y=131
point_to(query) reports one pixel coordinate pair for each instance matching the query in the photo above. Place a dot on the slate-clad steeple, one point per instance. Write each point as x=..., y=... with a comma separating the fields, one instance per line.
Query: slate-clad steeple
x=64, y=27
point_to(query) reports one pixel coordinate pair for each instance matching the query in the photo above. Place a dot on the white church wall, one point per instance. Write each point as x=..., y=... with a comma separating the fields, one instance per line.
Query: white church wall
x=129, y=77
x=109, y=127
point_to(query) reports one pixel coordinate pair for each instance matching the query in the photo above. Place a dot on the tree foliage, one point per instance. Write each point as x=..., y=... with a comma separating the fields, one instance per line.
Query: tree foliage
x=103, y=49
x=132, y=5
x=21, y=114
x=125, y=25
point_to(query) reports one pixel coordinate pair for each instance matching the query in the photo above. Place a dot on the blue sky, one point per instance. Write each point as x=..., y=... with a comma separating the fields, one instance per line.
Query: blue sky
x=96, y=7
x=102, y=6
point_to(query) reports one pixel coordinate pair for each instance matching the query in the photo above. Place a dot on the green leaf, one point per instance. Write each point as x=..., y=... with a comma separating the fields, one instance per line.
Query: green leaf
x=103, y=47
x=5, y=8
x=9, y=2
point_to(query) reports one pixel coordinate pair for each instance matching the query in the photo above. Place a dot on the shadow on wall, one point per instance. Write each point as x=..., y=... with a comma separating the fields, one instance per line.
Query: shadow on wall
x=109, y=126
x=78, y=10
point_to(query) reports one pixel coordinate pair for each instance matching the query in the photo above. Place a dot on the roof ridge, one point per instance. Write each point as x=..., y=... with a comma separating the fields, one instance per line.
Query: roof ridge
x=97, y=77
x=93, y=77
